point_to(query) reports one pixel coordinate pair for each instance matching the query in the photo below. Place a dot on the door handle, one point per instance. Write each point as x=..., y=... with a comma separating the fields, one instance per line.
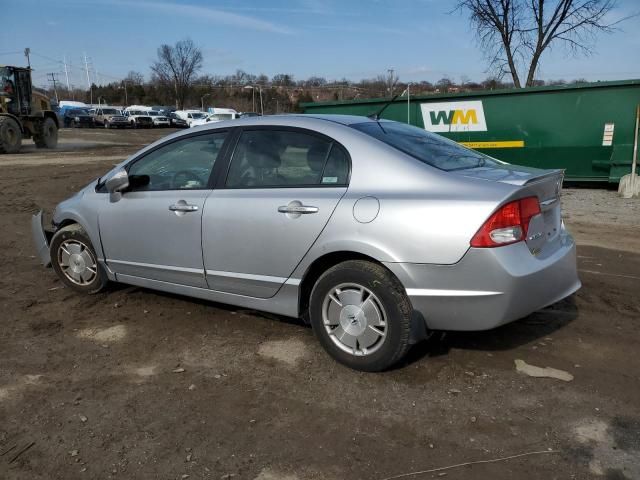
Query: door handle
x=297, y=209
x=183, y=207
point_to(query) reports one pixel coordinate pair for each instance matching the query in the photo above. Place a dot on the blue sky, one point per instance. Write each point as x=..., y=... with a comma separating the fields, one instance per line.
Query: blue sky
x=355, y=39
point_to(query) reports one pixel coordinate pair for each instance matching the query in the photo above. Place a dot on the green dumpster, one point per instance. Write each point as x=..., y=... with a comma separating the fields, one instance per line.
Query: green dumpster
x=586, y=129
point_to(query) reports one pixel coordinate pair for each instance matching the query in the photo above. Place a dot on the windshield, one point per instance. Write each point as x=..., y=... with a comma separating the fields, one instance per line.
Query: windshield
x=429, y=148
x=78, y=111
x=110, y=111
x=151, y=113
x=197, y=115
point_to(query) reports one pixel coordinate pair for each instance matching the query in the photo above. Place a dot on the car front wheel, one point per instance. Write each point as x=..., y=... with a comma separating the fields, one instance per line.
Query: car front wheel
x=75, y=261
x=361, y=315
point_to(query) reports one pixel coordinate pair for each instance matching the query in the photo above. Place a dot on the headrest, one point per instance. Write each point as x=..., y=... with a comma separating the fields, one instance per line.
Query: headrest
x=263, y=154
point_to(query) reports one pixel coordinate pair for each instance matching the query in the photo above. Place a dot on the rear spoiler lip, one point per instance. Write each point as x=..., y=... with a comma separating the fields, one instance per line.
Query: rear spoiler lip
x=545, y=176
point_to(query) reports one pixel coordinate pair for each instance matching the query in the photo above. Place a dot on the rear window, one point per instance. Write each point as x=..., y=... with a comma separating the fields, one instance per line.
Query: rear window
x=429, y=148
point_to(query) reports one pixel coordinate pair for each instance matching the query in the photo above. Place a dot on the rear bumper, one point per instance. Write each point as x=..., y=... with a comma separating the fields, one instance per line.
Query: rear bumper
x=489, y=286
x=40, y=239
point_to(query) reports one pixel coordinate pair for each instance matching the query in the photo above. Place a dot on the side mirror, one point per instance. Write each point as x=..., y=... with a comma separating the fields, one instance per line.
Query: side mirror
x=116, y=183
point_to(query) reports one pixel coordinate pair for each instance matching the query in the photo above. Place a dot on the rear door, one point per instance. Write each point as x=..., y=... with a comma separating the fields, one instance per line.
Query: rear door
x=281, y=188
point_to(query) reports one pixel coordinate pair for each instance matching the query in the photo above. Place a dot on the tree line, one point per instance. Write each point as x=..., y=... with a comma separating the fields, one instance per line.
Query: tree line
x=282, y=93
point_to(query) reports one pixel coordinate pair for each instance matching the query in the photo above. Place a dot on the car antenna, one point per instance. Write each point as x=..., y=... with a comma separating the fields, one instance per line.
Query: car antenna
x=376, y=115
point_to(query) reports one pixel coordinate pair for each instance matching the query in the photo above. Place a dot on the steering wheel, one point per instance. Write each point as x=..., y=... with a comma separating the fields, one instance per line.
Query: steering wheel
x=181, y=178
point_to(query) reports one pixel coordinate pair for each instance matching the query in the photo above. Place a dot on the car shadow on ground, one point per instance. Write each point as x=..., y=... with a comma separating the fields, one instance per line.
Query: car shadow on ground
x=536, y=326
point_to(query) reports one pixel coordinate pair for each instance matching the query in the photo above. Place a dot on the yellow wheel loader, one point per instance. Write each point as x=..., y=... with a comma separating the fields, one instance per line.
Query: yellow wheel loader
x=24, y=113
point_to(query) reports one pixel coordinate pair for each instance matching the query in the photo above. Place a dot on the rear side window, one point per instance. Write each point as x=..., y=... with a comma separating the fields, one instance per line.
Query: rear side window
x=274, y=158
x=429, y=148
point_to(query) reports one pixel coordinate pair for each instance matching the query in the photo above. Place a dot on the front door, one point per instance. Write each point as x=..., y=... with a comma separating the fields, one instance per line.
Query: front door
x=154, y=230
x=280, y=191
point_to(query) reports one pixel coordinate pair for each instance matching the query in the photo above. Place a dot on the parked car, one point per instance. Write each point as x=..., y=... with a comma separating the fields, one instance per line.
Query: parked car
x=138, y=118
x=215, y=115
x=110, y=117
x=176, y=121
x=375, y=232
x=77, y=117
x=207, y=118
x=163, y=109
x=190, y=115
x=158, y=119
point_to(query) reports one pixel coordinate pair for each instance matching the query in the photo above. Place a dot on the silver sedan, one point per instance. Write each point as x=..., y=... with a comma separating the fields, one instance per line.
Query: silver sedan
x=375, y=232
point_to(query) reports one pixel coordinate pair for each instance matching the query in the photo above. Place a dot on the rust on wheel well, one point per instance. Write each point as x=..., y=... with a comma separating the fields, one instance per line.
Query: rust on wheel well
x=67, y=223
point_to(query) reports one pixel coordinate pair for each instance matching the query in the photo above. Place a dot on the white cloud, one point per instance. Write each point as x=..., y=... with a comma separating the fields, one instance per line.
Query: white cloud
x=212, y=15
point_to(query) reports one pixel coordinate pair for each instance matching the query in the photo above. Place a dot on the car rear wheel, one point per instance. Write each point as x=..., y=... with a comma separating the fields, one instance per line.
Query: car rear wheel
x=75, y=261
x=361, y=315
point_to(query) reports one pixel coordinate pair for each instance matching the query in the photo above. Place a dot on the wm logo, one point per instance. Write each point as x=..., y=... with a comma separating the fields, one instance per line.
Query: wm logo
x=454, y=117
x=459, y=117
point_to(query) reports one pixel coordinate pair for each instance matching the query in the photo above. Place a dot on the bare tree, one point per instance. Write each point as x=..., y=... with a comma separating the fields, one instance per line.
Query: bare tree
x=178, y=65
x=515, y=33
x=134, y=78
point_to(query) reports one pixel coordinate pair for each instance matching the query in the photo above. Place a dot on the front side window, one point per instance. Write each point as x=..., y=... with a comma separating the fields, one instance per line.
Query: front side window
x=429, y=148
x=182, y=165
x=273, y=158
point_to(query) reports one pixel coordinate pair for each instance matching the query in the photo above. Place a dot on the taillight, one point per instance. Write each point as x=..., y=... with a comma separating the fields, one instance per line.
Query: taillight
x=509, y=224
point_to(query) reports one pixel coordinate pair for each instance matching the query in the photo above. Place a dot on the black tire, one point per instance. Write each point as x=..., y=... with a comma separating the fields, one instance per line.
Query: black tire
x=392, y=297
x=106, y=124
x=47, y=137
x=76, y=235
x=10, y=135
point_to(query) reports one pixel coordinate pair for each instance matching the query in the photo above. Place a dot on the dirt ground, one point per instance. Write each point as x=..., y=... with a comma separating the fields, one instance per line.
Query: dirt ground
x=135, y=384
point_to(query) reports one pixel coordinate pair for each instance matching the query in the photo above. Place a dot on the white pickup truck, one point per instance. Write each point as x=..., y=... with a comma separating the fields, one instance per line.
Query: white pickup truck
x=138, y=118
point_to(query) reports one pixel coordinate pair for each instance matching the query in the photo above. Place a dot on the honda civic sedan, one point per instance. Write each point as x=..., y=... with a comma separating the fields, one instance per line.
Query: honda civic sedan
x=377, y=233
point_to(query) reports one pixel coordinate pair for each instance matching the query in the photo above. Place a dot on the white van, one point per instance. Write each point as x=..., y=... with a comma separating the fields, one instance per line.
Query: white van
x=190, y=115
x=216, y=115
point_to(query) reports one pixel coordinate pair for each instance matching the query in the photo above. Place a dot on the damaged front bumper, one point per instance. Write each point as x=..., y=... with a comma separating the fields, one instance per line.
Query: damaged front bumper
x=41, y=239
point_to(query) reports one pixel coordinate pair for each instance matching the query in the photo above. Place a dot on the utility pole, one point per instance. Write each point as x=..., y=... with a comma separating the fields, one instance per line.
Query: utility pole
x=27, y=51
x=52, y=78
x=391, y=81
x=66, y=72
x=86, y=69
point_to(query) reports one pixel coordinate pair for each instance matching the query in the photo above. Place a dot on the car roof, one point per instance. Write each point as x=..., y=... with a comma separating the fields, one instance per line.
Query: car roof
x=343, y=119
x=289, y=119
